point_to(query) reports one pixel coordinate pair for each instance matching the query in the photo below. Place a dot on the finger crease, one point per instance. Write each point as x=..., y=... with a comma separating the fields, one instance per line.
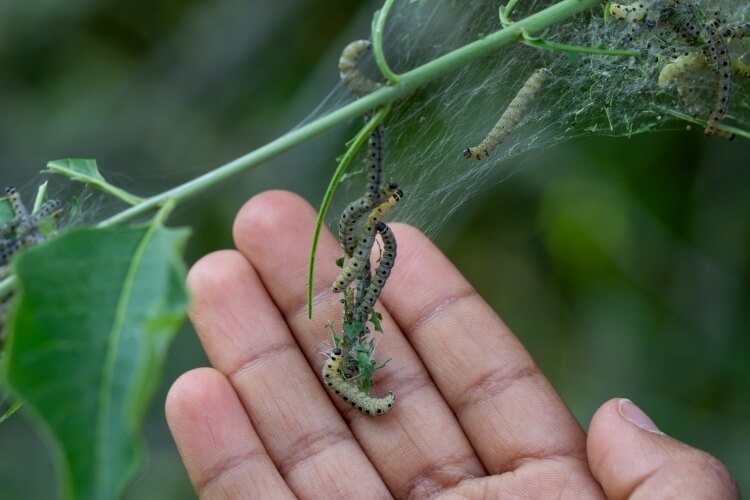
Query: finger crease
x=436, y=309
x=529, y=458
x=492, y=384
x=257, y=358
x=226, y=467
x=309, y=446
x=437, y=478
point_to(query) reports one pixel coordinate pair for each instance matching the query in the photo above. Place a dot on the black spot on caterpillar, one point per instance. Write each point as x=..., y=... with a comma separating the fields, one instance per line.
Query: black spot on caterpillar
x=356, y=209
x=352, y=77
x=351, y=393
x=25, y=228
x=510, y=117
x=387, y=260
x=737, y=31
x=357, y=263
x=717, y=54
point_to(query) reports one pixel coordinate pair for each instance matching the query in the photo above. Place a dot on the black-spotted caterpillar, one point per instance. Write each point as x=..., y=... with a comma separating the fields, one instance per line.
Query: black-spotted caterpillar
x=351, y=393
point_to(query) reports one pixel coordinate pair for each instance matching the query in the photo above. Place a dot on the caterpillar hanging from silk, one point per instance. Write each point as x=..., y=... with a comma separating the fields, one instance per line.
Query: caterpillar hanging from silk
x=513, y=114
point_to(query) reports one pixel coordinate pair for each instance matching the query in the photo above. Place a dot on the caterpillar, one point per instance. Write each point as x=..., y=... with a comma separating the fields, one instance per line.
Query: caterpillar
x=510, y=117
x=24, y=227
x=633, y=13
x=718, y=55
x=387, y=260
x=349, y=392
x=356, y=209
x=361, y=256
x=352, y=77
x=737, y=31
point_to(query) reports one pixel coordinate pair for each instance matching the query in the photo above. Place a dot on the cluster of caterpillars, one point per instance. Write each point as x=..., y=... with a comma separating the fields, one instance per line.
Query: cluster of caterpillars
x=23, y=230
x=707, y=39
x=359, y=224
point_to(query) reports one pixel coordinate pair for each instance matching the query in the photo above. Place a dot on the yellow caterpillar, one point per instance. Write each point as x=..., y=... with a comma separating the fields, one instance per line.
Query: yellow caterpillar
x=510, y=117
x=351, y=393
x=361, y=256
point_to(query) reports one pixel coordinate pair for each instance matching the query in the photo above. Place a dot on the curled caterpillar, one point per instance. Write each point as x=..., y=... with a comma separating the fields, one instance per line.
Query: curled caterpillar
x=387, y=260
x=510, y=117
x=352, y=77
x=360, y=258
x=349, y=392
x=356, y=209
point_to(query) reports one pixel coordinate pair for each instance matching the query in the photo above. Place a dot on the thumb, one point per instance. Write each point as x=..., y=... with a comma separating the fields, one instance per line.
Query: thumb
x=632, y=458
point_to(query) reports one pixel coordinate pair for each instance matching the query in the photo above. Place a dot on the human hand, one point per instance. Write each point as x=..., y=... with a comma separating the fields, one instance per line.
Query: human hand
x=474, y=416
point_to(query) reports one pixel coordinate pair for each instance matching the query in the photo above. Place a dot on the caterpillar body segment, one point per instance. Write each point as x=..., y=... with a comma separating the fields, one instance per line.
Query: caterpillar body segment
x=387, y=261
x=633, y=13
x=360, y=258
x=351, y=393
x=19, y=209
x=718, y=57
x=352, y=77
x=352, y=214
x=737, y=31
x=22, y=231
x=740, y=69
x=510, y=117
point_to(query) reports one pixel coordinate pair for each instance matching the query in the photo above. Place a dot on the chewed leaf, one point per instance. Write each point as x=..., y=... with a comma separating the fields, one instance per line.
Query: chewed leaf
x=87, y=171
x=97, y=309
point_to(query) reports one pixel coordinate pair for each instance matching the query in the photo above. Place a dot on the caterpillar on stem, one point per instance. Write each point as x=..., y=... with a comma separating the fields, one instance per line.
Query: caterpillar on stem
x=351, y=393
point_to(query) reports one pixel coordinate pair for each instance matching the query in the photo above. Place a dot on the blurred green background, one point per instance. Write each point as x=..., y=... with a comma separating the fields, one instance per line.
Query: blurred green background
x=622, y=264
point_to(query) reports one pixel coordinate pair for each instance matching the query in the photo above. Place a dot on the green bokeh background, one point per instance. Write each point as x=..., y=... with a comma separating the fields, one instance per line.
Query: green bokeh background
x=622, y=264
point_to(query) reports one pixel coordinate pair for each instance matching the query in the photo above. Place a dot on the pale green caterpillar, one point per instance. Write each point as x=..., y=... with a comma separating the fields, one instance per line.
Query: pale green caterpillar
x=510, y=117
x=351, y=393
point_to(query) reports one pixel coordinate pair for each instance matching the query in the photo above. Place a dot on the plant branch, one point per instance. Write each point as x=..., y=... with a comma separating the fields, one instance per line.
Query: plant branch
x=377, y=42
x=409, y=81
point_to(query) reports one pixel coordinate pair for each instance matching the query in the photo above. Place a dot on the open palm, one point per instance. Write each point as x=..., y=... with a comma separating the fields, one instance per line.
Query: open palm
x=474, y=418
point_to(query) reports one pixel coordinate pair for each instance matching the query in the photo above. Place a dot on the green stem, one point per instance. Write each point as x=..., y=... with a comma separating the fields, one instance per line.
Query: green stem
x=409, y=81
x=505, y=11
x=691, y=119
x=354, y=146
x=541, y=43
x=377, y=42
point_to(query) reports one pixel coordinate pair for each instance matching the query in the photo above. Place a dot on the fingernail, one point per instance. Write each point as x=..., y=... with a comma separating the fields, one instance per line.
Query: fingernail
x=635, y=416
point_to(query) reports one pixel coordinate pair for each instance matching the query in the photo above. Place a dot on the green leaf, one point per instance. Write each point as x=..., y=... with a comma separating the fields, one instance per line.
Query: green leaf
x=97, y=309
x=6, y=210
x=86, y=171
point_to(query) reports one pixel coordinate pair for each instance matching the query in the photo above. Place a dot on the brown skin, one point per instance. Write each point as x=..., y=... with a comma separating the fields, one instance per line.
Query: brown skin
x=474, y=418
